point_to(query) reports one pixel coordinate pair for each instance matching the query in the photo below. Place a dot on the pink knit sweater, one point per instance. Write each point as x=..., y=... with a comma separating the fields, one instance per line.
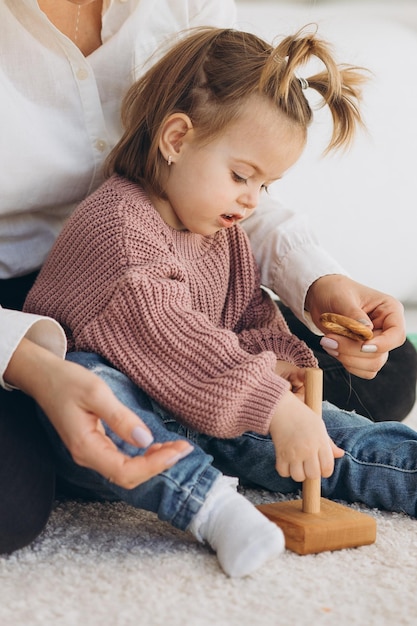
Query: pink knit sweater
x=181, y=314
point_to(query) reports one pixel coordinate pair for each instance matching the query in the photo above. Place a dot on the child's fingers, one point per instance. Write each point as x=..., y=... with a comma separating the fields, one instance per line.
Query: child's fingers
x=283, y=468
x=298, y=471
x=312, y=468
x=337, y=452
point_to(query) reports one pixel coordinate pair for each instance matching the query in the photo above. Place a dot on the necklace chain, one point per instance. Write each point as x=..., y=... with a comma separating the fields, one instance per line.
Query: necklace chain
x=77, y=23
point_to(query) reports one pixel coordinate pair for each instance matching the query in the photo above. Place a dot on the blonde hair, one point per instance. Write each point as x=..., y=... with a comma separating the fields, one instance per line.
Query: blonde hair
x=209, y=75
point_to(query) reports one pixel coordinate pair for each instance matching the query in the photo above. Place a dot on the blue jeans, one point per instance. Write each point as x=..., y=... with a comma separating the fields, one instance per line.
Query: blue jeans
x=379, y=467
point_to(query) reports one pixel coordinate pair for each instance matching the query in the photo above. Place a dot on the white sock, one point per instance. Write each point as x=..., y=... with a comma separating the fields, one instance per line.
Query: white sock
x=242, y=537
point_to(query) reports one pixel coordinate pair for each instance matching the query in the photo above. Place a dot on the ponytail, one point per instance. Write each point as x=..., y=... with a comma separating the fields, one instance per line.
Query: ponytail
x=338, y=85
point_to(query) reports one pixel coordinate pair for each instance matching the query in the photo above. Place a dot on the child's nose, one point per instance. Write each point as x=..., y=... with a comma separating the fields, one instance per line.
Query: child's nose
x=250, y=198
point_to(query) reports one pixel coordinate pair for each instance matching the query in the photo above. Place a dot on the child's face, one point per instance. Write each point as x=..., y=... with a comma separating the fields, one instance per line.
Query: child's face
x=213, y=186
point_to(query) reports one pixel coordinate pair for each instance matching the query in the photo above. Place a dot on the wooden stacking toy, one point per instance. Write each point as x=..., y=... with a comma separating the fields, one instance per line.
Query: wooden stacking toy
x=315, y=524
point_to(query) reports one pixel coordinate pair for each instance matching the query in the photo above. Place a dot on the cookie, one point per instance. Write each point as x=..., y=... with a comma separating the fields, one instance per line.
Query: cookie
x=346, y=326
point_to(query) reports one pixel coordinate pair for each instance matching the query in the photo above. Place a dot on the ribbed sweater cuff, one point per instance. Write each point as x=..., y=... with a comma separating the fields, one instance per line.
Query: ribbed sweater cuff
x=256, y=413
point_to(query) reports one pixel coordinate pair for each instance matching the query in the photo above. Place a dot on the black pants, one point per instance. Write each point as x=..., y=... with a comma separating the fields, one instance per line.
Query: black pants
x=27, y=476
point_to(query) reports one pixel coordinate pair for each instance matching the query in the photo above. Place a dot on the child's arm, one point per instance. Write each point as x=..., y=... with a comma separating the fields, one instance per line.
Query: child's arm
x=288, y=253
x=261, y=325
x=196, y=370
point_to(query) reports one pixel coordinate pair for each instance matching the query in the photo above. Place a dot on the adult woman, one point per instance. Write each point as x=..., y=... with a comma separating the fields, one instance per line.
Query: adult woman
x=65, y=66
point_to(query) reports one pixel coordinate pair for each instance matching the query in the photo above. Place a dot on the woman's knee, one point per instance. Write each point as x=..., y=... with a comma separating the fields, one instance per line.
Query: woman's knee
x=27, y=473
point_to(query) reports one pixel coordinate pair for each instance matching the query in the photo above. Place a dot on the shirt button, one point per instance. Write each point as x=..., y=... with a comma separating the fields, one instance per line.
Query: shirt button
x=82, y=73
x=101, y=145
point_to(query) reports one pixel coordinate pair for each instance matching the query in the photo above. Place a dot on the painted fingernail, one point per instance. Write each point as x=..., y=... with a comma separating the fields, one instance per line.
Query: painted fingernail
x=142, y=437
x=179, y=456
x=365, y=322
x=369, y=347
x=329, y=344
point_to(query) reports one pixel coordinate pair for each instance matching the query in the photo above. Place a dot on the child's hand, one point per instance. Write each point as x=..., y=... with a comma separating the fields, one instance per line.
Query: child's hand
x=302, y=446
x=295, y=376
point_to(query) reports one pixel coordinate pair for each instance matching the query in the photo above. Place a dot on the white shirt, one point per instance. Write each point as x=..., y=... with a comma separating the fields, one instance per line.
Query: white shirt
x=59, y=119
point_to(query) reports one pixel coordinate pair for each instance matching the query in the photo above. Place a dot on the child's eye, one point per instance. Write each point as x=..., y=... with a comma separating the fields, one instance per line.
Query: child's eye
x=264, y=188
x=237, y=178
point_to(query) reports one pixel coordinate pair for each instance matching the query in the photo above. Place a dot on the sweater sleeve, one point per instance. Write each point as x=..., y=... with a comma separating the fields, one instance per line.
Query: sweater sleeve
x=288, y=253
x=261, y=325
x=173, y=352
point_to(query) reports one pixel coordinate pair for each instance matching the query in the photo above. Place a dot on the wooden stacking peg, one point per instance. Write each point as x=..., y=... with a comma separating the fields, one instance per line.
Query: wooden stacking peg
x=313, y=398
x=314, y=524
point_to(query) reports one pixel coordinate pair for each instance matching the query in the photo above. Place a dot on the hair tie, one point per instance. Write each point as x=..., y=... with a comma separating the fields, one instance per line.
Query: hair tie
x=303, y=82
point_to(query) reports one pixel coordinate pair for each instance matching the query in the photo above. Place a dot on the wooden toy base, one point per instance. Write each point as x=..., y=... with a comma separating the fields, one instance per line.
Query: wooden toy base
x=335, y=527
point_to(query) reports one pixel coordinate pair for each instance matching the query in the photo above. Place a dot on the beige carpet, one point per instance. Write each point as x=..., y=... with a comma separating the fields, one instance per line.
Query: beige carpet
x=110, y=565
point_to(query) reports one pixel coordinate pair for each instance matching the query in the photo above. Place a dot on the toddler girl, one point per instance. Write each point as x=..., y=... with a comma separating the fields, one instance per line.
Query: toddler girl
x=154, y=281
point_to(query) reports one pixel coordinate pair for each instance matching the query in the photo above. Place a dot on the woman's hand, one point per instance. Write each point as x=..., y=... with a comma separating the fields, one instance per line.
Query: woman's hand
x=385, y=314
x=302, y=446
x=76, y=400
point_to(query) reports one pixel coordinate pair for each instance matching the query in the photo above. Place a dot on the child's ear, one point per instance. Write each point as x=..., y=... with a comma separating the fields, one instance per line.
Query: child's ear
x=176, y=131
